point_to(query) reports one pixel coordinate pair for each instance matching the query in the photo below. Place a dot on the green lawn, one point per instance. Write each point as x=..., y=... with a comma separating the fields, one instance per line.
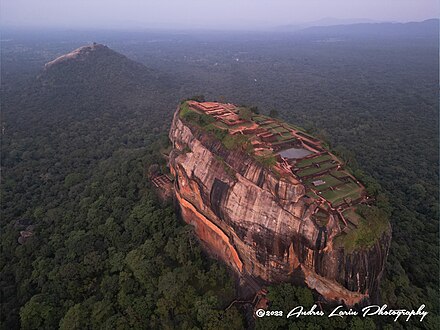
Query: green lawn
x=279, y=130
x=313, y=169
x=337, y=196
x=310, y=161
x=312, y=138
x=259, y=118
x=296, y=128
x=339, y=174
x=284, y=139
x=329, y=182
x=270, y=125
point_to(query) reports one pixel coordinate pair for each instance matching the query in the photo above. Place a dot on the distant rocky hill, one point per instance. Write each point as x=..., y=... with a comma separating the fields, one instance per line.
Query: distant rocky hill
x=99, y=63
x=96, y=66
x=86, y=83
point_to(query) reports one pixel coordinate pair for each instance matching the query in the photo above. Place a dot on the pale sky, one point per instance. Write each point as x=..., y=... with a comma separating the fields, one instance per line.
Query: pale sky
x=217, y=14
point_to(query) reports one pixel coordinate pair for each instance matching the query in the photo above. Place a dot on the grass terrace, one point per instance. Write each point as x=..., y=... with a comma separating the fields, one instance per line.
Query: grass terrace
x=283, y=139
x=341, y=193
x=279, y=129
x=315, y=170
x=340, y=174
x=307, y=136
x=334, y=189
x=314, y=160
x=271, y=126
x=297, y=128
x=330, y=181
x=259, y=118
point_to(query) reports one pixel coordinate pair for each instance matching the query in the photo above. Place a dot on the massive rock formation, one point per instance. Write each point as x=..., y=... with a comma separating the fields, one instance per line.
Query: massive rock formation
x=263, y=221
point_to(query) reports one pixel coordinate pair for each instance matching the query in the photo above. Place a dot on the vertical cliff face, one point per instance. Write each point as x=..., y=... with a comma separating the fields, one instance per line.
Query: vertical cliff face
x=267, y=222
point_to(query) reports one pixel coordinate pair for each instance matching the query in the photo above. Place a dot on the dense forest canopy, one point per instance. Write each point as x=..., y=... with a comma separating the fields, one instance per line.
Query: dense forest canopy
x=77, y=142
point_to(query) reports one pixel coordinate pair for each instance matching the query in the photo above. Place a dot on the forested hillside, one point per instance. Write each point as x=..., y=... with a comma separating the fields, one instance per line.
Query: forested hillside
x=104, y=252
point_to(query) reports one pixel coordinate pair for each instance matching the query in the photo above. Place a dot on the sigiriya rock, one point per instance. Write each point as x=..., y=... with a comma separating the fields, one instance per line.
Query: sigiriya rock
x=274, y=203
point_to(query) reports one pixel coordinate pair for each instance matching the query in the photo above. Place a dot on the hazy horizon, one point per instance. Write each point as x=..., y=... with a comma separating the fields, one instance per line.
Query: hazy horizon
x=199, y=14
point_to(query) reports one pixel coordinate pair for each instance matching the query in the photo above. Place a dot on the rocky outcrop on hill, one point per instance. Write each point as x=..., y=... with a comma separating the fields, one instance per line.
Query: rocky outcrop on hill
x=262, y=225
x=97, y=65
x=79, y=54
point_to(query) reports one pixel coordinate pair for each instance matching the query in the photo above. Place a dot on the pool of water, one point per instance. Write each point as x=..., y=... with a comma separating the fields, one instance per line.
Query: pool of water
x=294, y=153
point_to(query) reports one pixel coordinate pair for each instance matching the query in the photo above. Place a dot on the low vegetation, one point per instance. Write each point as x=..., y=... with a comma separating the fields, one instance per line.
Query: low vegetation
x=373, y=222
x=207, y=123
x=195, y=117
x=267, y=161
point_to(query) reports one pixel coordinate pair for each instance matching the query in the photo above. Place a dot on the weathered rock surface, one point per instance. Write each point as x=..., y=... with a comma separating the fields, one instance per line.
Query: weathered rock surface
x=79, y=54
x=262, y=225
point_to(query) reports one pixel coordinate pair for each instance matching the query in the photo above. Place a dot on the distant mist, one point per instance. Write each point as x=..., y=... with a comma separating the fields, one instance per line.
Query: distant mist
x=202, y=14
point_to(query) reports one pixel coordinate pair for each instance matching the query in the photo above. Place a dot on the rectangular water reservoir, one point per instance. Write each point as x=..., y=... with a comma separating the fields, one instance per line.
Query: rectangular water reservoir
x=295, y=153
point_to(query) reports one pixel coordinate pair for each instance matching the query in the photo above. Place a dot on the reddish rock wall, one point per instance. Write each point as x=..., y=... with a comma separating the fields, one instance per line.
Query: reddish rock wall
x=262, y=225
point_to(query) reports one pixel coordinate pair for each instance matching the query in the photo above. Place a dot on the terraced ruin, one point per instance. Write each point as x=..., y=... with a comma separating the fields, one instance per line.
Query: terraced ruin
x=274, y=203
x=290, y=152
